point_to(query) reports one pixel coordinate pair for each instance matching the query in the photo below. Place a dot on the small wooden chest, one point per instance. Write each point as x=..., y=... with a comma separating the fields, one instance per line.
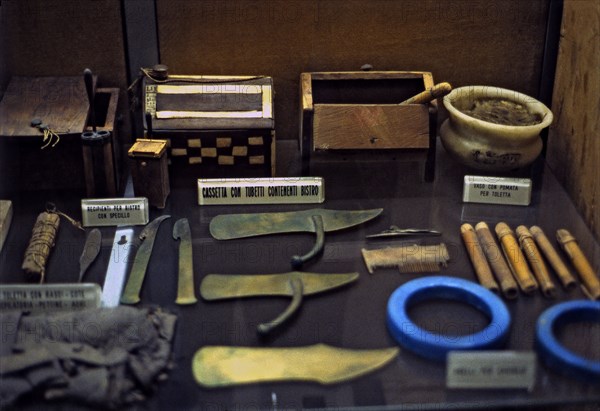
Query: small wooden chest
x=149, y=171
x=359, y=115
x=61, y=104
x=216, y=126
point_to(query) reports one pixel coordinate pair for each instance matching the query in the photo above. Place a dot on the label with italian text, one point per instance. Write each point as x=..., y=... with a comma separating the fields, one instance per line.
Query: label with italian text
x=491, y=369
x=497, y=190
x=275, y=190
x=96, y=212
x=38, y=298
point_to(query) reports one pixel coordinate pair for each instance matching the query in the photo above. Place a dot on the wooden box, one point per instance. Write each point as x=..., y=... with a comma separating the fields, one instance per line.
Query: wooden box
x=216, y=126
x=357, y=115
x=149, y=171
x=60, y=103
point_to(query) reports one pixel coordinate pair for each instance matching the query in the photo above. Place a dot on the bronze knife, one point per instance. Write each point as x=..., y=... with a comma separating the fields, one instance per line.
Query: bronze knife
x=185, y=283
x=131, y=295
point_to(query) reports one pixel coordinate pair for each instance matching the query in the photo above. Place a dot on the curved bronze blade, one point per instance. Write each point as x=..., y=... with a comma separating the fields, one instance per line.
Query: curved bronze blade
x=230, y=226
x=223, y=286
x=294, y=284
x=131, y=295
x=219, y=366
x=91, y=249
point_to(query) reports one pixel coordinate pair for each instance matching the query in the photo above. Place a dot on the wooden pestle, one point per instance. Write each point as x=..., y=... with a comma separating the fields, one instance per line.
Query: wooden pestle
x=516, y=259
x=590, y=282
x=561, y=270
x=437, y=91
x=480, y=264
x=496, y=260
x=536, y=262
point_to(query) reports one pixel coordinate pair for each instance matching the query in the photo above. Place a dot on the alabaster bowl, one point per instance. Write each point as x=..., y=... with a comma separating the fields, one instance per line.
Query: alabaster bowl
x=492, y=128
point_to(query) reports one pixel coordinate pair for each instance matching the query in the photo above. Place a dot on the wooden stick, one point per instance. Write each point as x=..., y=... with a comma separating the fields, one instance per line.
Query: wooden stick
x=437, y=91
x=561, y=270
x=494, y=256
x=591, y=284
x=516, y=259
x=536, y=262
x=480, y=264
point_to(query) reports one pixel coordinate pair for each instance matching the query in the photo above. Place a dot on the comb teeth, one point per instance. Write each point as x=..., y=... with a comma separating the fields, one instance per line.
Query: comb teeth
x=420, y=267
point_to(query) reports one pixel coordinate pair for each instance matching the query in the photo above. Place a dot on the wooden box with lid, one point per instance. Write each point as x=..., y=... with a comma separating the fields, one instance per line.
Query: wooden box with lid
x=149, y=170
x=216, y=126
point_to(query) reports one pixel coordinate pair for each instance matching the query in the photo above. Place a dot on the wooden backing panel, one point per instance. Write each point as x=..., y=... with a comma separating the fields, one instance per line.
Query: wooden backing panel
x=573, y=143
x=341, y=126
x=474, y=42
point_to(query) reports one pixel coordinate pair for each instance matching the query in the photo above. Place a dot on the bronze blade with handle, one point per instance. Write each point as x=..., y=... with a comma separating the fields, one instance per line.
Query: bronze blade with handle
x=131, y=295
x=294, y=284
x=220, y=366
x=185, y=283
x=318, y=221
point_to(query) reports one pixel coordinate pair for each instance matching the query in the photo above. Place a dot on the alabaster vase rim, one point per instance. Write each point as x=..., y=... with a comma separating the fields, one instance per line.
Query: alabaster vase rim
x=471, y=92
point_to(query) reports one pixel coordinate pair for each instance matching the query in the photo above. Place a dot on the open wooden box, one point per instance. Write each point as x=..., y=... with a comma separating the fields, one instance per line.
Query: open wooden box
x=357, y=115
x=61, y=103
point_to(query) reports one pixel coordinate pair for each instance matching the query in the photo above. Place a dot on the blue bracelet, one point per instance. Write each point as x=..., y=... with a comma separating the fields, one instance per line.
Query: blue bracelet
x=436, y=346
x=553, y=353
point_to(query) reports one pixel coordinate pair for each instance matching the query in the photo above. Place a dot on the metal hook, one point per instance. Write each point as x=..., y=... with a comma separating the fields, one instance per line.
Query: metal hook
x=299, y=260
x=297, y=290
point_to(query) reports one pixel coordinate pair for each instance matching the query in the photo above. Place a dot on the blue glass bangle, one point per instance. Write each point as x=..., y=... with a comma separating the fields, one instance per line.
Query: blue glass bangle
x=553, y=353
x=436, y=346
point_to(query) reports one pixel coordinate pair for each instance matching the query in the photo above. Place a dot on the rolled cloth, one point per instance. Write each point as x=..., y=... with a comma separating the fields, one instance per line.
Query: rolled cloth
x=107, y=357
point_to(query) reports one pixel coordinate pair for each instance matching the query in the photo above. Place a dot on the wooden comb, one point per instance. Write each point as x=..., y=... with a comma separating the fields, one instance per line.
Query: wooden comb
x=409, y=258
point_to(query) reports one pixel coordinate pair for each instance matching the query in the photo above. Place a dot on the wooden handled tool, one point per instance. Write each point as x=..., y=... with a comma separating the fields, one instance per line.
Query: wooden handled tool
x=536, y=262
x=496, y=260
x=516, y=259
x=591, y=284
x=561, y=270
x=480, y=264
x=437, y=91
